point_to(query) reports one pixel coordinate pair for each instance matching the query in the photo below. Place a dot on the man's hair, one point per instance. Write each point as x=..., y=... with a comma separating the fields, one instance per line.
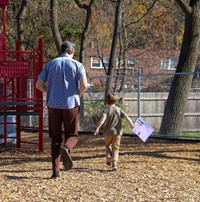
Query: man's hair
x=68, y=47
x=111, y=98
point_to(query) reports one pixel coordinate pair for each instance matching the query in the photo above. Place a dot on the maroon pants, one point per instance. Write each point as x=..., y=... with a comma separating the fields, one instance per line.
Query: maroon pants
x=59, y=119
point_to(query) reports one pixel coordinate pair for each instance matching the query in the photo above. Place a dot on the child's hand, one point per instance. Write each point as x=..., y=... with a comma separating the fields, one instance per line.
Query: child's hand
x=96, y=132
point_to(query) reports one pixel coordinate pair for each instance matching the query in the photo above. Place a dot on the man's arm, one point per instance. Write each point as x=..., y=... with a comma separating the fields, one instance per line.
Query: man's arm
x=40, y=85
x=83, y=85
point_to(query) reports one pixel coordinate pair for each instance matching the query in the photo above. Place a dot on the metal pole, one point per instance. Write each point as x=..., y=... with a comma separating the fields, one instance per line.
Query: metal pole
x=139, y=93
x=40, y=61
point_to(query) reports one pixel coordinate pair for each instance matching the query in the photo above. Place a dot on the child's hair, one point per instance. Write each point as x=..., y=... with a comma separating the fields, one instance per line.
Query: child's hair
x=111, y=98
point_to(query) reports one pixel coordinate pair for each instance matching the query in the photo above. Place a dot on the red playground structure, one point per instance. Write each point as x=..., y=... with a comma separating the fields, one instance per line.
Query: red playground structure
x=18, y=95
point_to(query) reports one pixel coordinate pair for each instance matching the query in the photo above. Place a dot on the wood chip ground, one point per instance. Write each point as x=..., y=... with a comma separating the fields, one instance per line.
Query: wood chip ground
x=155, y=171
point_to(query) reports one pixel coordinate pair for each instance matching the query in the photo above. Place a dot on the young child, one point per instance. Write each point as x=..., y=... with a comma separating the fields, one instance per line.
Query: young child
x=112, y=119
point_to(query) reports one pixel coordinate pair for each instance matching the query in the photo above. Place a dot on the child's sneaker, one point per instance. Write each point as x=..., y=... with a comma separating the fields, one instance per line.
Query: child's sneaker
x=114, y=167
x=108, y=160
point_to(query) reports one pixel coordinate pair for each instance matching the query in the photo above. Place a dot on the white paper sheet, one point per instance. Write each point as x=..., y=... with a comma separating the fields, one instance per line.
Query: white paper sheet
x=142, y=129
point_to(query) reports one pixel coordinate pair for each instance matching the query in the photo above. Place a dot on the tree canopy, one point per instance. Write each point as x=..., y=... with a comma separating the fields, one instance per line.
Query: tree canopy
x=147, y=25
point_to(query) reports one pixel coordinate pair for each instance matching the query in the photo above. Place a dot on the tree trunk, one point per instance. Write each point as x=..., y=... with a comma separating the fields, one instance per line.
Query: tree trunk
x=54, y=24
x=173, y=118
x=88, y=9
x=123, y=47
x=112, y=58
x=20, y=27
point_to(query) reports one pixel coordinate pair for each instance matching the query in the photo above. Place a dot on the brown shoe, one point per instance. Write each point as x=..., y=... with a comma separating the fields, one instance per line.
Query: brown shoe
x=108, y=161
x=55, y=175
x=66, y=158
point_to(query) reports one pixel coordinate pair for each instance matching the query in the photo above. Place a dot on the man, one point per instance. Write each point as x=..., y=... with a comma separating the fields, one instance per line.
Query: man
x=64, y=80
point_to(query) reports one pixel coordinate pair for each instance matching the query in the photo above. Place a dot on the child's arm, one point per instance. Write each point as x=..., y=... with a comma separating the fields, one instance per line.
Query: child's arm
x=100, y=124
x=129, y=121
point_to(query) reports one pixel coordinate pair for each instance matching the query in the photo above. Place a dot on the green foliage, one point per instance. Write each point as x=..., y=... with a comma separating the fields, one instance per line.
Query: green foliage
x=70, y=30
x=92, y=111
x=158, y=29
x=125, y=124
x=93, y=107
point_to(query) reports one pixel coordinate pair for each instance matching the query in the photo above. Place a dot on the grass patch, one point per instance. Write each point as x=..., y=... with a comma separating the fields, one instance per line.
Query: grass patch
x=191, y=134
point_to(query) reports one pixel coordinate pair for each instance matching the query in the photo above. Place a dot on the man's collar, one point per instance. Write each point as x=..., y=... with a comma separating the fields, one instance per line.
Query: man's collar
x=66, y=55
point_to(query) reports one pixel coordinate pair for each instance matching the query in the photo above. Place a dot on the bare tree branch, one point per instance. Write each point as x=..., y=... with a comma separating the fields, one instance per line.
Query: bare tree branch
x=101, y=58
x=148, y=10
x=186, y=8
x=83, y=5
x=88, y=9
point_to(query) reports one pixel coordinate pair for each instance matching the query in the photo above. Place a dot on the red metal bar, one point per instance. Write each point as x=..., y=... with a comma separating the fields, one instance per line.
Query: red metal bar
x=16, y=73
x=10, y=99
x=18, y=131
x=20, y=108
x=40, y=63
x=5, y=124
x=18, y=117
x=28, y=142
x=19, y=51
x=5, y=129
x=4, y=3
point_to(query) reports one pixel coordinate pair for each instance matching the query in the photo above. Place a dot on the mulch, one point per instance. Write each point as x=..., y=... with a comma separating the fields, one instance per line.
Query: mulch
x=158, y=170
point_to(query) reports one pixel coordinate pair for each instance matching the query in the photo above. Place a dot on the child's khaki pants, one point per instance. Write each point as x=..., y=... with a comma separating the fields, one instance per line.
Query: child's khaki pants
x=112, y=146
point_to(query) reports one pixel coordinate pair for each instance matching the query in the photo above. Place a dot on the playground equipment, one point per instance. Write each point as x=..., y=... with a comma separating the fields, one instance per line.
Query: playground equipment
x=18, y=95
